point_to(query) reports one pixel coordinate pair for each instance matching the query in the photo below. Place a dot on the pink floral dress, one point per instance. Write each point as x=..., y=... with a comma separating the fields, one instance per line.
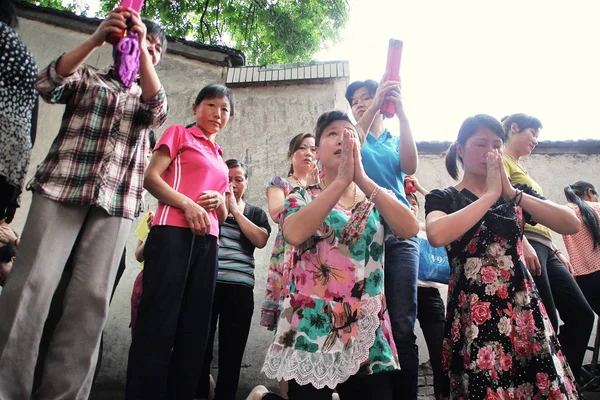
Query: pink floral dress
x=499, y=342
x=334, y=322
x=279, y=268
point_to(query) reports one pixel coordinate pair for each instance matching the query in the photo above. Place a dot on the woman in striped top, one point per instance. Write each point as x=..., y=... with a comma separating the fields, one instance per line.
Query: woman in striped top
x=245, y=229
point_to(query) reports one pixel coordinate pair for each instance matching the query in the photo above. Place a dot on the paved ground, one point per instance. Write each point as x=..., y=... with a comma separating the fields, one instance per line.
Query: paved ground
x=425, y=389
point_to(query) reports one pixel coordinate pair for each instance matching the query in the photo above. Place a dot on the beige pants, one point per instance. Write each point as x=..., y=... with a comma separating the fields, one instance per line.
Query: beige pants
x=53, y=230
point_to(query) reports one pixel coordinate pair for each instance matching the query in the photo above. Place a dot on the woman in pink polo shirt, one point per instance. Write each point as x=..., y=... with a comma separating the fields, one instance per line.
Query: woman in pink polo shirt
x=188, y=176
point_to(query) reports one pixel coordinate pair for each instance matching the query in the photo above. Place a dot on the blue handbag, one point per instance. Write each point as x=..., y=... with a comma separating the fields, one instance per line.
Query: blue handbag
x=433, y=262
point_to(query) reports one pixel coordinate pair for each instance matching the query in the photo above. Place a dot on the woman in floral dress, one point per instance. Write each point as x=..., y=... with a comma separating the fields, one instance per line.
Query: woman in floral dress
x=499, y=342
x=334, y=330
x=302, y=172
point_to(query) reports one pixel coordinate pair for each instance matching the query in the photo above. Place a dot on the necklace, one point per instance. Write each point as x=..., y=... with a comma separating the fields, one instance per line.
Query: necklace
x=299, y=182
x=514, y=159
x=351, y=206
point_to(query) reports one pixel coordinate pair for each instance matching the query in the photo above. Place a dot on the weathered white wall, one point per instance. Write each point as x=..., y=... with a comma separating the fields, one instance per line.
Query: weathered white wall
x=266, y=118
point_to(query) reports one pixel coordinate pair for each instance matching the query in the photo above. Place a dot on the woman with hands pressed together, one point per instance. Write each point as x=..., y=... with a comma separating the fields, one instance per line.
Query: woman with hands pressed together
x=499, y=342
x=334, y=331
x=188, y=176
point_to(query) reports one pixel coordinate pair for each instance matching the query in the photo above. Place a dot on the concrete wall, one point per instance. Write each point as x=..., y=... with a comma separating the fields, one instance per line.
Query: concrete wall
x=266, y=118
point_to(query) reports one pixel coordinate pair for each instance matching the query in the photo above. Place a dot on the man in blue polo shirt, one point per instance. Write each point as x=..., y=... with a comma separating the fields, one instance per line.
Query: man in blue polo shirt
x=387, y=158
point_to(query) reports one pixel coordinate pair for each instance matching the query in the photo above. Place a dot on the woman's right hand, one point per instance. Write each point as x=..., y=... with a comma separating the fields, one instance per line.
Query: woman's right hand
x=197, y=218
x=346, y=167
x=494, y=179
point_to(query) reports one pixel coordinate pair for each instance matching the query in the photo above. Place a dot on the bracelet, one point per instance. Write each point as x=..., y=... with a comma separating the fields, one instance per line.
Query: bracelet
x=519, y=196
x=374, y=194
x=557, y=252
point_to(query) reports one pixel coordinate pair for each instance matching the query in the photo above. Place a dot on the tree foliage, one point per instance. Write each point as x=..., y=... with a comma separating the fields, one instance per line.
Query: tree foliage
x=267, y=31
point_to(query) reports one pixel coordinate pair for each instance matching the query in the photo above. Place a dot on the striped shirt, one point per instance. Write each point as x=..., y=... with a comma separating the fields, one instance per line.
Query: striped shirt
x=236, y=252
x=99, y=155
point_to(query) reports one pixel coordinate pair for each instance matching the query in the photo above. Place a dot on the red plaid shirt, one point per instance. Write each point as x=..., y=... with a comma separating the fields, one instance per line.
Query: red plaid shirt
x=99, y=155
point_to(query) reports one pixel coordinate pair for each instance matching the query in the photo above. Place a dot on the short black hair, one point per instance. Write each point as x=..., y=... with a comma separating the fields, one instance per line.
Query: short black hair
x=233, y=163
x=154, y=29
x=7, y=253
x=8, y=13
x=523, y=121
x=216, y=91
x=370, y=84
x=327, y=119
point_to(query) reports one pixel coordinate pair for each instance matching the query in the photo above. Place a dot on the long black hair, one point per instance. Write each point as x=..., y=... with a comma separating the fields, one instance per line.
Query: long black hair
x=468, y=128
x=574, y=194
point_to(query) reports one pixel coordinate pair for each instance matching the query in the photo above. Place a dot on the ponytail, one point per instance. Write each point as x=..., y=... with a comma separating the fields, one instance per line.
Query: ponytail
x=451, y=161
x=574, y=193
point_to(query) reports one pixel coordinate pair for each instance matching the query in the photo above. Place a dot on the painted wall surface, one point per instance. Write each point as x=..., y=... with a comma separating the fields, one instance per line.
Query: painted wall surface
x=266, y=118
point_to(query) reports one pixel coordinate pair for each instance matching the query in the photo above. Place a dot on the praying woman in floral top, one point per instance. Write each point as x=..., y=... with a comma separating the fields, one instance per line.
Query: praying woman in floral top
x=334, y=330
x=499, y=342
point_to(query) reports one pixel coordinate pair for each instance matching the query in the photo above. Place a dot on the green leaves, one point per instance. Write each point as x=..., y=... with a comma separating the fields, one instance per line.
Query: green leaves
x=267, y=31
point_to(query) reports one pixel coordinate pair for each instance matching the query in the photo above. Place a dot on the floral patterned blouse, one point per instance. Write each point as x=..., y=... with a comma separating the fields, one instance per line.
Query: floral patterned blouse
x=279, y=267
x=499, y=343
x=334, y=322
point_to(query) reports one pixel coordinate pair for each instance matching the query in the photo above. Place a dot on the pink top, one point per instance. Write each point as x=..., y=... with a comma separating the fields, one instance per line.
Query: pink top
x=580, y=246
x=197, y=165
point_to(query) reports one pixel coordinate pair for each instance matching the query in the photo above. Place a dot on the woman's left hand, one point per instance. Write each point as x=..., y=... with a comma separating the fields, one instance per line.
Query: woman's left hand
x=138, y=26
x=210, y=200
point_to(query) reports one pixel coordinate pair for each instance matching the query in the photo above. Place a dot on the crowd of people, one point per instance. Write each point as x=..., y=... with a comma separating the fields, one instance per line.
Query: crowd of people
x=351, y=265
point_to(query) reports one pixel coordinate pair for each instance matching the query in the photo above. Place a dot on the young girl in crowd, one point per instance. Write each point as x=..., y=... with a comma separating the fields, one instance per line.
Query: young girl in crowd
x=333, y=331
x=245, y=229
x=544, y=260
x=584, y=246
x=499, y=342
x=188, y=176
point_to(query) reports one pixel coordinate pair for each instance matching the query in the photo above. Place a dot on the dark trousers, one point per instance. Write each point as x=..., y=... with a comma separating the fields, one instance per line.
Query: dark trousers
x=56, y=307
x=590, y=287
x=559, y=291
x=372, y=387
x=232, y=308
x=401, y=269
x=432, y=318
x=167, y=350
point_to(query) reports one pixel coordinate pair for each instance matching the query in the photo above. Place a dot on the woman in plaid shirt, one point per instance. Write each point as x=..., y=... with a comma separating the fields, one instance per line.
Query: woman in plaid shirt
x=87, y=191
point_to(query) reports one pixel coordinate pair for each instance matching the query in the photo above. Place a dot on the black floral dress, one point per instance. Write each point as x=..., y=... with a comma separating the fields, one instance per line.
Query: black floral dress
x=499, y=343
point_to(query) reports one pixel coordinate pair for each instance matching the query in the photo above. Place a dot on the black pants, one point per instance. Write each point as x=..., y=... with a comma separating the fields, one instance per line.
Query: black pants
x=432, y=318
x=590, y=287
x=372, y=387
x=559, y=291
x=232, y=308
x=171, y=332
